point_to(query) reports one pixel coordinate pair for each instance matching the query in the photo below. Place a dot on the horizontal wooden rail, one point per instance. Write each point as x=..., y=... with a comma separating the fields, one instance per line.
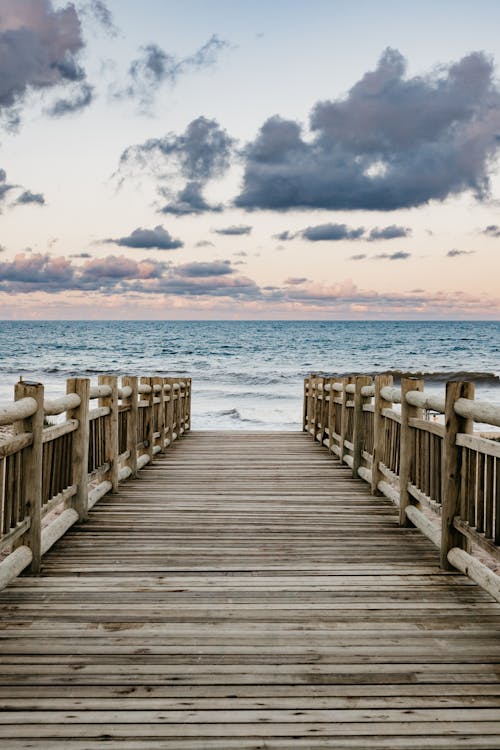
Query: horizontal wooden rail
x=51, y=476
x=444, y=477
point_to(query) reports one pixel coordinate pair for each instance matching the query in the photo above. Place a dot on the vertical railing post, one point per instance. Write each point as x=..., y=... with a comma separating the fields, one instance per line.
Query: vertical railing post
x=343, y=419
x=452, y=461
x=132, y=420
x=148, y=418
x=357, y=433
x=111, y=428
x=331, y=415
x=304, y=405
x=381, y=381
x=161, y=412
x=188, y=403
x=318, y=411
x=32, y=468
x=311, y=405
x=407, y=449
x=80, y=445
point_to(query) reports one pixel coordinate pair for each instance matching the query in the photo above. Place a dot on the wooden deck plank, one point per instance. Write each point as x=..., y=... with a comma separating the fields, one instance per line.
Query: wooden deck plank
x=246, y=593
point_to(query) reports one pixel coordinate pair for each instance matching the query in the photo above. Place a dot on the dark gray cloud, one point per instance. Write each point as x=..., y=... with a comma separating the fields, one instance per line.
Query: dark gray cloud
x=33, y=272
x=203, y=270
x=388, y=233
x=492, y=231
x=28, y=197
x=81, y=255
x=331, y=232
x=285, y=236
x=39, y=49
x=155, y=67
x=5, y=187
x=337, y=232
x=235, y=287
x=234, y=230
x=456, y=253
x=187, y=201
x=200, y=154
x=392, y=142
x=399, y=255
x=99, y=11
x=148, y=239
x=80, y=98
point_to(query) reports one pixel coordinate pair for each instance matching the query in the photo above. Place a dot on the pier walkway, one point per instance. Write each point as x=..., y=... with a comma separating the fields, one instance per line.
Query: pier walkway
x=246, y=592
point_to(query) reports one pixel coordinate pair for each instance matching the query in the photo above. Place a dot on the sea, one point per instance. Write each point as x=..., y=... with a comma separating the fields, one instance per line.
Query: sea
x=249, y=375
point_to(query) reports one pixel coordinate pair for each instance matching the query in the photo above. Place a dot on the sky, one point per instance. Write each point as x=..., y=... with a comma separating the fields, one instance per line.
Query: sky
x=285, y=159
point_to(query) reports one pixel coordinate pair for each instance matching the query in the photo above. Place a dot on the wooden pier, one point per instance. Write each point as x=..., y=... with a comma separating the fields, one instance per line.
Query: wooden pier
x=244, y=591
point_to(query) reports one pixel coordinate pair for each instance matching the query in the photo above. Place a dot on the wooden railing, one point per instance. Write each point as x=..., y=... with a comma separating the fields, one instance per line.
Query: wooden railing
x=50, y=476
x=423, y=455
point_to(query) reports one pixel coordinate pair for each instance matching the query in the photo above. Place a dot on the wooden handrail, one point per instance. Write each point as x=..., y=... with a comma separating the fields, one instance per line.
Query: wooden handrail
x=444, y=478
x=57, y=473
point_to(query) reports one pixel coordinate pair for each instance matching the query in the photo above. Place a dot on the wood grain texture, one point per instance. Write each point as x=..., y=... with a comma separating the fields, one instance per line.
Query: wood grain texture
x=247, y=593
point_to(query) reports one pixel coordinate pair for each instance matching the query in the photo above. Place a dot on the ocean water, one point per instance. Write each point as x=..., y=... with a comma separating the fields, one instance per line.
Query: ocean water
x=248, y=374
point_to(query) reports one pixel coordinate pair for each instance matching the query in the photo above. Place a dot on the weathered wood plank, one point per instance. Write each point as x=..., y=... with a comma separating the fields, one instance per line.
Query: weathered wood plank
x=247, y=592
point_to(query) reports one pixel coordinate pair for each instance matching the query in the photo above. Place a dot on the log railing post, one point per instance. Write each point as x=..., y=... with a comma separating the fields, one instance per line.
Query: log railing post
x=304, y=405
x=452, y=461
x=343, y=417
x=132, y=420
x=148, y=418
x=80, y=445
x=32, y=468
x=111, y=449
x=407, y=449
x=188, y=404
x=161, y=428
x=311, y=405
x=378, y=429
x=331, y=415
x=318, y=411
x=357, y=433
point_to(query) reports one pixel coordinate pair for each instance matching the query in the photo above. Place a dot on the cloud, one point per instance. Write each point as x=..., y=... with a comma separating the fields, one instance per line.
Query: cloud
x=202, y=269
x=234, y=230
x=358, y=256
x=5, y=187
x=155, y=66
x=111, y=274
x=148, y=239
x=99, y=11
x=392, y=142
x=204, y=243
x=332, y=232
x=187, y=201
x=492, y=230
x=117, y=280
x=399, y=255
x=81, y=98
x=39, y=49
x=28, y=197
x=200, y=154
x=456, y=253
x=388, y=233
x=285, y=236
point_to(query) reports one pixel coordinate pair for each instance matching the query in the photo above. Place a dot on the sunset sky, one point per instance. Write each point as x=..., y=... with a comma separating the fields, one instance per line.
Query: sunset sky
x=228, y=159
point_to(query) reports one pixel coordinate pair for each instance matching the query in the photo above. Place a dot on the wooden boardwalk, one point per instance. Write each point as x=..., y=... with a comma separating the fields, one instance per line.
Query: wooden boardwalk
x=246, y=592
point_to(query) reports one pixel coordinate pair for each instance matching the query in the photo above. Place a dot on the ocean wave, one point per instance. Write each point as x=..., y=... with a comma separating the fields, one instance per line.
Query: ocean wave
x=233, y=414
x=439, y=376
